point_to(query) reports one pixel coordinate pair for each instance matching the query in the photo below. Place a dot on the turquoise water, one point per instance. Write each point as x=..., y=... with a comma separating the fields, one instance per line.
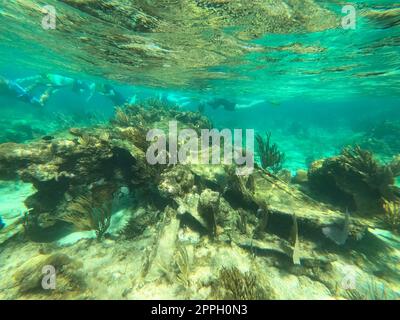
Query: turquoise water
x=290, y=70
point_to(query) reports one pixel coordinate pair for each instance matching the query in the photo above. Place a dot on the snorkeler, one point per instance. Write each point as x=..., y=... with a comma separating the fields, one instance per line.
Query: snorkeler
x=55, y=82
x=230, y=105
x=108, y=91
x=220, y=102
x=52, y=83
x=13, y=89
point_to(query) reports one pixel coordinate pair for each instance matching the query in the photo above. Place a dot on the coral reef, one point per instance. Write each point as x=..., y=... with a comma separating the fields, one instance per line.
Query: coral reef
x=232, y=284
x=69, y=279
x=270, y=156
x=185, y=231
x=85, y=215
x=392, y=214
x=301, y=177
x=143, y=219
x=356, y=180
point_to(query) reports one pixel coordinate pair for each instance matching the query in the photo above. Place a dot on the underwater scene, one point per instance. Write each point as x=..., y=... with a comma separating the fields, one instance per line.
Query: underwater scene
x=199, y=150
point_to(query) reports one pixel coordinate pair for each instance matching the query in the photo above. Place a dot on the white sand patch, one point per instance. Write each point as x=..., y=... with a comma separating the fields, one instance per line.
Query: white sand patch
x=74, y=237
x=12, y=197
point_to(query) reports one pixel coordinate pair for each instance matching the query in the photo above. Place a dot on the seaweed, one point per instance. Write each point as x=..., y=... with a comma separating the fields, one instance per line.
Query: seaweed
x=376, y=176
x=392, y=214
x=183, y=266
x=137, y=136
x=270, y=156
x=357, y=180
x=121, y=117
x=137, y=225
x=86, y=141
x=86, y=215
x=232, y=284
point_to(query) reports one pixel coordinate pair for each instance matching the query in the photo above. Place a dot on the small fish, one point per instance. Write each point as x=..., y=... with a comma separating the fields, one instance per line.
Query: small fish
x=339, y=236
x=274, y=103
x=48, y=138
x=2, y=224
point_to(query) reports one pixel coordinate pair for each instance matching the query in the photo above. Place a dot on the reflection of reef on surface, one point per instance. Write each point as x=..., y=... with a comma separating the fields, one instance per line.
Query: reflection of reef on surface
x=151, y=37
x=174, y=231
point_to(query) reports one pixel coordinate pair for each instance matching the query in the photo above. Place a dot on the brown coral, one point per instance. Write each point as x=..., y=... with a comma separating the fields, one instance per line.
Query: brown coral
x=86, y=215
x=356, y=180
x=235, y=285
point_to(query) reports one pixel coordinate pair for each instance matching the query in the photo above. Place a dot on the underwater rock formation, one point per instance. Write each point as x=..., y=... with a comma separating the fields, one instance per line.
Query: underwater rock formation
x=98, y=160
x=301, y=177
x=188, y=229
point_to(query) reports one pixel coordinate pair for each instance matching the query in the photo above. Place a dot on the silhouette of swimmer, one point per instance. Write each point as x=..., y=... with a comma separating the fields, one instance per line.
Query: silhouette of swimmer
x=115, y=96
x=108, y=91
x=231, y=105
x=13, y=89
x=55, y=82
x=52, y=83
x=221, y=102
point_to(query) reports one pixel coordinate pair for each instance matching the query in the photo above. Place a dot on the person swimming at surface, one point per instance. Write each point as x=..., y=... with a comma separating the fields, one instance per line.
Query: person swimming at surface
x=55, y=82
x=230, y=105
x=221, y=102
x=108, y=91
x=22, y=88
x=13, y=89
